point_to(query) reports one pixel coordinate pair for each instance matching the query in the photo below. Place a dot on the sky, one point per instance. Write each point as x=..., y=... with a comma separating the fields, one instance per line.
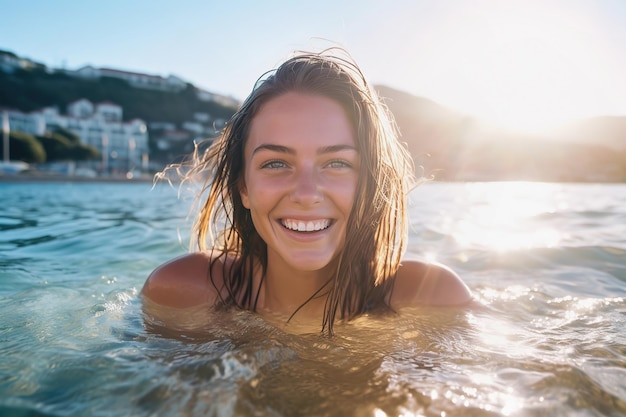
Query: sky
x=529, y=65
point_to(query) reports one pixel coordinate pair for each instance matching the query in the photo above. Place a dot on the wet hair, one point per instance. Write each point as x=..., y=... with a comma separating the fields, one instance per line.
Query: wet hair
x=377, y=225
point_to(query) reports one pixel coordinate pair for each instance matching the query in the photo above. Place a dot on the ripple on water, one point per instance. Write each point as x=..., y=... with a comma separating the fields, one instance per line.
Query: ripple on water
x=544, y=336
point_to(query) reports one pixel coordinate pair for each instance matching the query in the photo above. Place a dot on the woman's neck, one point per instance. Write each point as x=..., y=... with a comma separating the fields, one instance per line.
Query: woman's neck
x=285, y=290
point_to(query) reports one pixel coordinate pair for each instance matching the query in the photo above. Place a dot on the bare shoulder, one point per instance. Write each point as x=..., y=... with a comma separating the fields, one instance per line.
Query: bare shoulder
x=421, y=283
x=184, y=282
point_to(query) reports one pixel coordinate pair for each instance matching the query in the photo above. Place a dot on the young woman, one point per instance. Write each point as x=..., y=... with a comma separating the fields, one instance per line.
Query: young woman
x=306, y=206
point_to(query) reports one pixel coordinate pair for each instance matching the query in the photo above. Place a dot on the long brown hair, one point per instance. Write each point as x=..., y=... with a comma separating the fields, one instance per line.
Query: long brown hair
x=377, y=226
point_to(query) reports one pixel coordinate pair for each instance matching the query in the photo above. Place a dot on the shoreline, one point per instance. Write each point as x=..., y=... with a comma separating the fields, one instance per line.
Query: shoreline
x=30, y=178
x=59, y=178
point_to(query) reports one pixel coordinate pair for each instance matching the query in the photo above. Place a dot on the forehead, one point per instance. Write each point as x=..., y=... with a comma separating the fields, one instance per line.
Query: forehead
x=301, y=120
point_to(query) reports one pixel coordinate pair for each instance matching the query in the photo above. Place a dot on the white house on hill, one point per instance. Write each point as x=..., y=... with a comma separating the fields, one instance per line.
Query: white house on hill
x=124, y=145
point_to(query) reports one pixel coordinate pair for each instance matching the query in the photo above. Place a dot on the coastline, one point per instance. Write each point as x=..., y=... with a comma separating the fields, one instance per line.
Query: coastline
x=30, y=178
x=52, y=178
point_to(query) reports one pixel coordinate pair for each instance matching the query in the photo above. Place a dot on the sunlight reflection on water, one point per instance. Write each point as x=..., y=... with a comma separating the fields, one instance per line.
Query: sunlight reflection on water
x=545, y=335
x=502, y=217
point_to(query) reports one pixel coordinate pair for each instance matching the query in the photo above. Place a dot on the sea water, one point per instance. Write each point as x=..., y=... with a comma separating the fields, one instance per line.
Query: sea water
x=545, y=335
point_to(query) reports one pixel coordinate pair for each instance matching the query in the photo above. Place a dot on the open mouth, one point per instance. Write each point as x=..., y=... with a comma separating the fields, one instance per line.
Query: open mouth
x=306, y=226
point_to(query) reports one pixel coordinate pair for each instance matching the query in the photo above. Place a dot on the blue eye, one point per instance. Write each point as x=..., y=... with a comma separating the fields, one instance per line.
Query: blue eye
x=274, y=164
x=339, y=163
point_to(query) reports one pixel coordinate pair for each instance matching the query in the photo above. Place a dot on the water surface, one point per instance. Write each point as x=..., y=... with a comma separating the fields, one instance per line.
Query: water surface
x=545, y=336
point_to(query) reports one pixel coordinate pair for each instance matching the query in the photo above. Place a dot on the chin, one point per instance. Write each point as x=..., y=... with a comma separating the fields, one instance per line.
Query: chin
x=311, y=263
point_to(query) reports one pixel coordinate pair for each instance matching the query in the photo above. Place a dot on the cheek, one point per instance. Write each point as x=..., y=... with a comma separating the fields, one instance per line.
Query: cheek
x=350, y=194
x=348, y=201
x=257, y=195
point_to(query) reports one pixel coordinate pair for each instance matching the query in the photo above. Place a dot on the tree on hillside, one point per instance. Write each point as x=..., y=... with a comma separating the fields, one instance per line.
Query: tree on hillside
x=59, y=148
x=29, y=91
x=67, y=134
x=56, y=147
x=24, y=147
x=8, y=53
x=76, y=151
x=82, y=152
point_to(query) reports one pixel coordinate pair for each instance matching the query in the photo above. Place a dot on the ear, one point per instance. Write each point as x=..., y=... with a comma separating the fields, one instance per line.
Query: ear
x=243, y=193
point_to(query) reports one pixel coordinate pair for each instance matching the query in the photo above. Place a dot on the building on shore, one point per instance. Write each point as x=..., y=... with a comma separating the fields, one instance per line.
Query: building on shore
x=123, y=144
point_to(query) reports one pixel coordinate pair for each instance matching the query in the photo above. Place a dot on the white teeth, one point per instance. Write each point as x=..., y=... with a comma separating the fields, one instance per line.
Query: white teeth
x=302, y=226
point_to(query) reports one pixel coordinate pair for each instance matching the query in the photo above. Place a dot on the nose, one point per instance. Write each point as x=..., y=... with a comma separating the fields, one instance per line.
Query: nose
x=306, y=189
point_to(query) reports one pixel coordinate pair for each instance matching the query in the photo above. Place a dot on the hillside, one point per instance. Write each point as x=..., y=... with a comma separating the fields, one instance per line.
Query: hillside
x=448, y=145
x=32, y=90
x=608, y=131
x=454, y=146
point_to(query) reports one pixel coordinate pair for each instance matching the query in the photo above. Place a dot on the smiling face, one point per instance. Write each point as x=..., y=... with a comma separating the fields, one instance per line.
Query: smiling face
x=300, y=177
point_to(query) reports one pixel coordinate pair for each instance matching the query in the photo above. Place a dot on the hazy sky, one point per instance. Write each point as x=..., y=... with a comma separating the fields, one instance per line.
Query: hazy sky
x=526, y=63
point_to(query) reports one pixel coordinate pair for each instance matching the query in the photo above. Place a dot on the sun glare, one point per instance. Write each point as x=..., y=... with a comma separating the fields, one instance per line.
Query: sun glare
x=501, y=216
x=526, y=66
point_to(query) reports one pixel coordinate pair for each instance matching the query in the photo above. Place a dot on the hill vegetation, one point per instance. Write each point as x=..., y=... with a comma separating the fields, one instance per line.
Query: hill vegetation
x=32, y=90
x=35, y=88
x=447, y=145
x=59, y=145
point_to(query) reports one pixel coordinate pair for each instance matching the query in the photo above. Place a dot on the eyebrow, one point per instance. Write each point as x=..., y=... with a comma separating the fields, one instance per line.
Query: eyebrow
x=287, y=150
